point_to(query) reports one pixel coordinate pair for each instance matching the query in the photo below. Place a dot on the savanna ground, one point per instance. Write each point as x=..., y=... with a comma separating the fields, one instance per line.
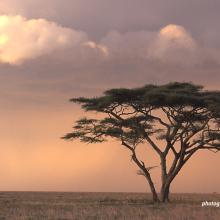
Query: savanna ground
x=105, y=206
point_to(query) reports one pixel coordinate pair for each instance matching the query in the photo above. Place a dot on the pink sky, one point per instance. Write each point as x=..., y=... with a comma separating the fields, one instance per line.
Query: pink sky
x=51, y=52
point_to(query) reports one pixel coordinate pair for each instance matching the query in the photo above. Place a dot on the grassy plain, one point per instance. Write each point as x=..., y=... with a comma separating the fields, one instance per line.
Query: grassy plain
x=104, y=206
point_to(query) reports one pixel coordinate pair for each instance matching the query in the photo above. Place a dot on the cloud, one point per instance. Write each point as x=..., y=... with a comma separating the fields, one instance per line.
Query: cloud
x=174, y=37
x=173, y=44
x=98, y=47
x=22, y=39
x=177, y=34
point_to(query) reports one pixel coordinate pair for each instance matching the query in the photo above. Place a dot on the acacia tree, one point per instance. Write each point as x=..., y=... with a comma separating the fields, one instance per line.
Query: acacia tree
x=175, y=119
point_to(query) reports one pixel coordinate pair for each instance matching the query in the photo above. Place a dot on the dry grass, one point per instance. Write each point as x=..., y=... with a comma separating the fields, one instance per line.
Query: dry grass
x=105, y=206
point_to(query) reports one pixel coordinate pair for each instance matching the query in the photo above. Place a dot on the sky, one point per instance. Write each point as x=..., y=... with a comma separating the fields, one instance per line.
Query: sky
x=53, y=50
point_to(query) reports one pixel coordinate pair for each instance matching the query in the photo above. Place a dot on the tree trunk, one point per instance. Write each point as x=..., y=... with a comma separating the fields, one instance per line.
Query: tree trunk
x=165, y=187
x=164, y=193
x=154, y=194
x=152, y=188
x=166, y=181
x=147, y=176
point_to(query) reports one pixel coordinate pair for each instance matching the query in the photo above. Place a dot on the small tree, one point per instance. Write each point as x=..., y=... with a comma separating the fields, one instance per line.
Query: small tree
x=182, y=116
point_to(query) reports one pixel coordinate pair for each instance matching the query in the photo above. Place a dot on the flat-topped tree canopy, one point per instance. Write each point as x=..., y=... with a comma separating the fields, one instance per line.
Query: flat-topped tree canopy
x=184, y=104
x=157, y=96
x=184, y=116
